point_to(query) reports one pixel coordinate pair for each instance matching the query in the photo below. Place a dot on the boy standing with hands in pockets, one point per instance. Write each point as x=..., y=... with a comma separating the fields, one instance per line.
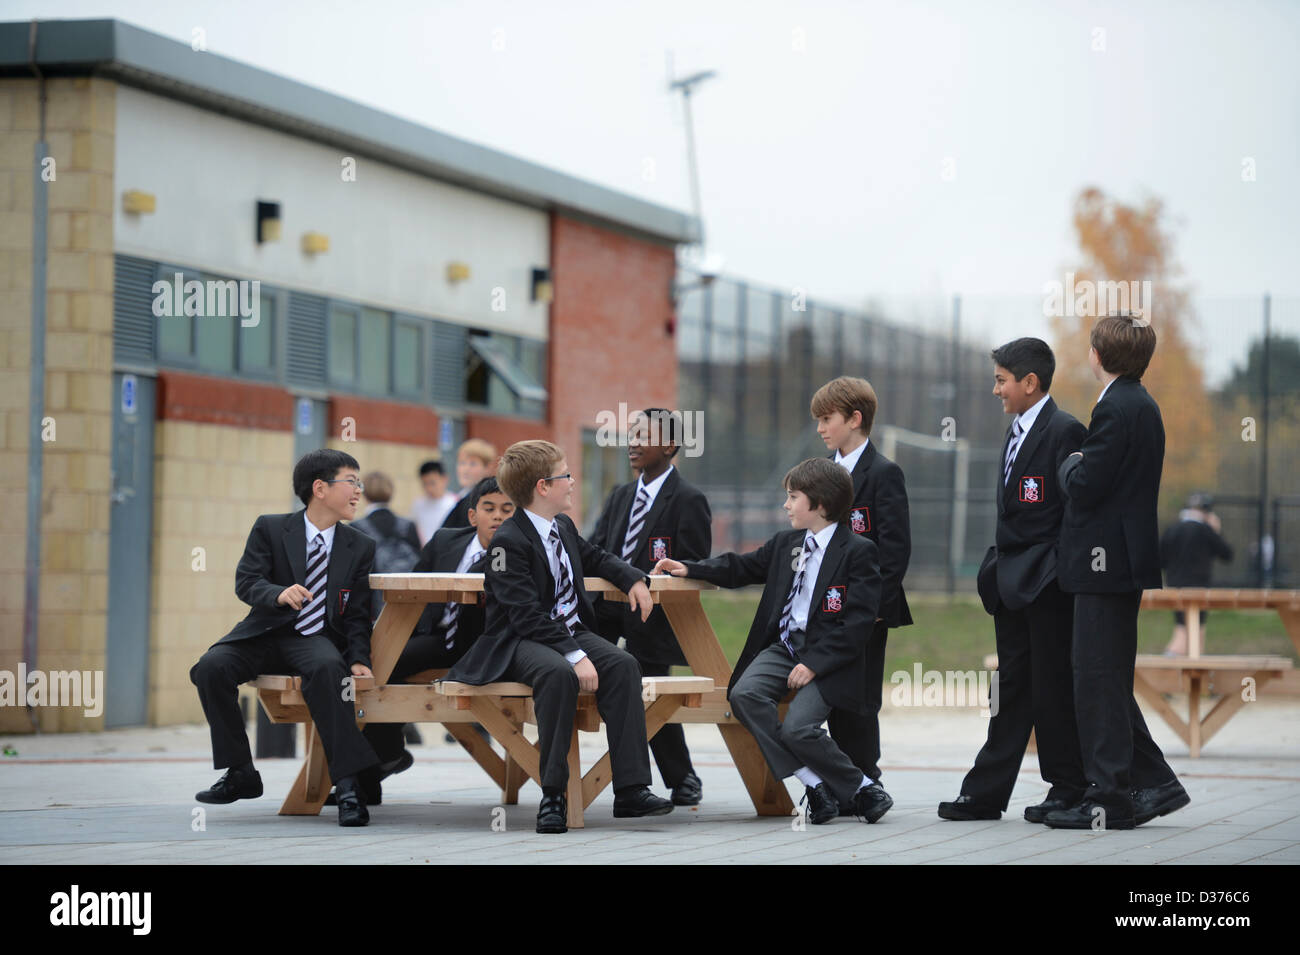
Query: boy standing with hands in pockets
x=821, y=593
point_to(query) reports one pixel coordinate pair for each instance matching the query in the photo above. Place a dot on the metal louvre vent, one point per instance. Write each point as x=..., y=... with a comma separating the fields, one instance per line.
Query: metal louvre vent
x=305, y=360
x=448, y=371
x=133, y=318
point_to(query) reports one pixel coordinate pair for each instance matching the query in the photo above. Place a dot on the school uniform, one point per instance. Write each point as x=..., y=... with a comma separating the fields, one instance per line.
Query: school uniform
x=821, y=592
x=1033, y=618
x=319, y=642
x=644, y=523
x=539, y=623
x=880, y=514
x=1109, y=552
x=444, y=632
x=458, y=516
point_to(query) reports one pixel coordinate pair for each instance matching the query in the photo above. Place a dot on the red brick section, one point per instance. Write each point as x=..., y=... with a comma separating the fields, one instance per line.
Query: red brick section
x=503, y=432
x=384, y=421
x=201, y=398
x=610, y=340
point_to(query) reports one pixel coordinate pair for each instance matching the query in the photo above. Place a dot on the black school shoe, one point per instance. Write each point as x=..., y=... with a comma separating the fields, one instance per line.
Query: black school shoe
x=1038, y=813
x=871, y=802
x=638, y=801
x=370, y=779
x=1082, y=817
x=822, y=807
x=352, y=808
x=966, y=809
x=1158, y=801
x=236, y=784
x=689, y=791
x=553, y=814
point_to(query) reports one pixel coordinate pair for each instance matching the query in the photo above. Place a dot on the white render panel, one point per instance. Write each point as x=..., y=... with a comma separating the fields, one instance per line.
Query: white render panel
x=392, y=233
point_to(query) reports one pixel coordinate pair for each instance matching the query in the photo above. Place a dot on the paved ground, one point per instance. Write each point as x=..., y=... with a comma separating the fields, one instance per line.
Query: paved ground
x=127, y=797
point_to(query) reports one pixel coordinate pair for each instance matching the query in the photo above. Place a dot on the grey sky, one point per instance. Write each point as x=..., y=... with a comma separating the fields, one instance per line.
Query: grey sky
x=824, y=141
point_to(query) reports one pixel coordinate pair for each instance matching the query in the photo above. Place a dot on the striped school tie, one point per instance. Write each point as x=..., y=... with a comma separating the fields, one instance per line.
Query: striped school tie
x=1011, y=451
x=787, y=612
x=635, y=523
x=312, y=616
x=565, y=595
x=451, y=620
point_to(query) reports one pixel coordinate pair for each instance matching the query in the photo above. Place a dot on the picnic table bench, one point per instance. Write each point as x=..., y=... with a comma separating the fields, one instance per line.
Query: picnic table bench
x=504, y=708
x=1196, y=670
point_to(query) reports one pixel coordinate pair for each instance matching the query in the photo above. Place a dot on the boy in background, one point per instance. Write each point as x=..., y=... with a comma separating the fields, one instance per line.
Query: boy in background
x=474, y=461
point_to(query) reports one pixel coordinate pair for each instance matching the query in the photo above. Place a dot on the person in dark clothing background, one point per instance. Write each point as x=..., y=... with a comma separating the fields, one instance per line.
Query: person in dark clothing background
x=1187, y=553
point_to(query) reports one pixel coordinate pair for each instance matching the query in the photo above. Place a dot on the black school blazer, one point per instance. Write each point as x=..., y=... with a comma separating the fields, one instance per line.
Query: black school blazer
x=441, y=555
x=679, y=526
x=880, y=513
x=846, y=600
x=1030, y=508
x=1111, y=495
x=521, y=594
x=275, y=557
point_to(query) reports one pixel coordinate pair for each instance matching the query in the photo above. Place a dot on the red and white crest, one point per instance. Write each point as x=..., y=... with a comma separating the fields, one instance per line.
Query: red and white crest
x=658, y=548
x=834, y=599
x=1031, y=490
x=860, y=519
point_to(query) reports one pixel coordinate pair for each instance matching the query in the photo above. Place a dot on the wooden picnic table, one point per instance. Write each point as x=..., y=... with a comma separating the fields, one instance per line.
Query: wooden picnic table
x=502, y=709
x=1196, y=669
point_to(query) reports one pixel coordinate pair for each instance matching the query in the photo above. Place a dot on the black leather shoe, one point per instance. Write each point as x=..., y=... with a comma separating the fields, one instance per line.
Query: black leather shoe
x=1158, y=801
x=553, y=814
x=234, y=785
x=871, y=802
x=1087, y=815
x=822, y=807
x=1051, y=804
x=689, y=791
x=965, y=809
x=352, y=809
x=640, y=802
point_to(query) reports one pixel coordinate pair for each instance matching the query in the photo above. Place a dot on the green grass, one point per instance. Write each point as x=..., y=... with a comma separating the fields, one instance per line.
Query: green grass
x=955, y=633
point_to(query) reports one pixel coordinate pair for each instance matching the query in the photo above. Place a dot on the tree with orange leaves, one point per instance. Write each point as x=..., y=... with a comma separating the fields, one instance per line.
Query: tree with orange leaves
x=1127, y=244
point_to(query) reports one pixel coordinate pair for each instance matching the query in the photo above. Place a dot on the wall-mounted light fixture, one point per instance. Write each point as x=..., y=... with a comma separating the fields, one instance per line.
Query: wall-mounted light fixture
x=136, y=202
x=457, y=272
x=313, y=243
x=268, y=221
x=543, y=288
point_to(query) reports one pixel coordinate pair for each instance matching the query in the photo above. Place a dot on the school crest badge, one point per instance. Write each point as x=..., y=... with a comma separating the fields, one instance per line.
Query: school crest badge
x=659, y=549
x=1031, y=490
x=834, y=602
x=860, y=519
x=344, y=595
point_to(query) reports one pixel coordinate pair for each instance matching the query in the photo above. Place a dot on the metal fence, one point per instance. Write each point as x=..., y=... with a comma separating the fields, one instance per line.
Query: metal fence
x=750, y=358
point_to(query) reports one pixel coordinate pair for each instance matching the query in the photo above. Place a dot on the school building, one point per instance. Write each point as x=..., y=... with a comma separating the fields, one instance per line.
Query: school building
x=239, y=268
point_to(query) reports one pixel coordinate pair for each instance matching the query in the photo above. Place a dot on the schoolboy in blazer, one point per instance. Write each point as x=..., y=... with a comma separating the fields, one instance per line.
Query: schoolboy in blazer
x=1109, y=552
x=1033, y=619
x=676, y=523
x=310, y=616
x=445, y=631
x=845, y=410
x=540, y=630
x=821, y=591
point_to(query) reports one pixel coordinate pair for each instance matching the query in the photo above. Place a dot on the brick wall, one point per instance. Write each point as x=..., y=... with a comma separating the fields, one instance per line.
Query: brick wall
x=609, y=329
x=79, y=353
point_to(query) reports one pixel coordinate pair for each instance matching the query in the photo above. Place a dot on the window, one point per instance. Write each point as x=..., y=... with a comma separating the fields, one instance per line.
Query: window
x=408, y=357
x=374, y=348
x=175, y=318
x=504, y=374
x=257, y=342
x=343, y=344
x=603, y=469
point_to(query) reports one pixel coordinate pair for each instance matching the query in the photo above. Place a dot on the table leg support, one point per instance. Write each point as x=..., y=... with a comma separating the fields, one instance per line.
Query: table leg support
x=312, y=786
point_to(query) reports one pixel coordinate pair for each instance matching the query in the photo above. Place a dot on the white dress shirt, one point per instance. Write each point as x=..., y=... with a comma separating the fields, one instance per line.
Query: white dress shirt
x=812, y=566
x=1026, y=420
x=850, y=461
x=313, y=530
x=651, y=489
x=472, y=550
x=1107, y=388
x=544, y=530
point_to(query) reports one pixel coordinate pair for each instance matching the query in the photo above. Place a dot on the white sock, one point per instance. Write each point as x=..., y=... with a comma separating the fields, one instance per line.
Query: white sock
x=866, y=781
x=808, y=777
